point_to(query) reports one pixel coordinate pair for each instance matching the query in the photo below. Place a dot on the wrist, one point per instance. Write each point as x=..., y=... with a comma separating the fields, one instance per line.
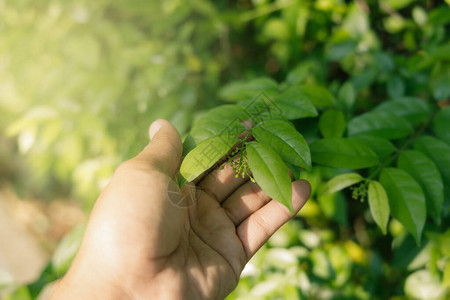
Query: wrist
x=89, y=284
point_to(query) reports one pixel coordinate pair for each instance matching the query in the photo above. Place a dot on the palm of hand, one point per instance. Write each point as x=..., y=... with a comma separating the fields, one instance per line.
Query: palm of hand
x=143, y=245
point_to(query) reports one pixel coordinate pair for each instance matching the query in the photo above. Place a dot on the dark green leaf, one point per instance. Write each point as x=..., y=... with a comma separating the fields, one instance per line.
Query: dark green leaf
x=204, y=156
x=341, y=182
x=382, y=147
x=285, y=140
x=395, y=87
x=342, y=153
x=332, y=124
x=339, y=51
x=441, y=124
x=406, y=200
x=384, y=61
x=379, y=204
x=364, y=79
x=295, y=104
x=270, y=173
x=414, y=110
x=381, y=124
x=441, y=87
x=425, y=172
x=438, y=151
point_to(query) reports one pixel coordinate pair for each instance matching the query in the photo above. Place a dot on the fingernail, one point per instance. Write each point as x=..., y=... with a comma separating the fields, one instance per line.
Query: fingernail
x=154, y=128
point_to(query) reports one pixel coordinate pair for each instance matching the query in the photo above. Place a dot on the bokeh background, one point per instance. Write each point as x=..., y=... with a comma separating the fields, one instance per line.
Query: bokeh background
x=80, y=82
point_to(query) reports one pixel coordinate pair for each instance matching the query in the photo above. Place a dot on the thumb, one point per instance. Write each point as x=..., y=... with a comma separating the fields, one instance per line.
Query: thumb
x=165, y=148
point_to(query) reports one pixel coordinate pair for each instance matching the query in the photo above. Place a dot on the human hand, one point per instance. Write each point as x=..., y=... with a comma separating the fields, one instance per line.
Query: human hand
x=139, y=245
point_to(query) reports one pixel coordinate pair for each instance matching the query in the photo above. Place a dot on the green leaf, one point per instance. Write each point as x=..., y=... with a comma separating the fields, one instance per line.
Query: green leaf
x=222, y=120
x=270, y=173
x=381, y=124
x=285, y=140
x=248, y=90
x=342, y=153
x=346, y=96
x=441, y=87
x=295, y=104
x=395, y=87
x=341, y=182
x=319, y=96
x=406, y=200
x=204, y=156
x=379, y=204
x=414, y=110
x=438, y=151
x=332, y=124
x=441, y=124
x=425, y=172
x=382, y=147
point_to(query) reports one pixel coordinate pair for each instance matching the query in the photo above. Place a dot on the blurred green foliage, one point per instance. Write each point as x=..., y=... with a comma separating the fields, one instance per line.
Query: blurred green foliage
x=80, y=81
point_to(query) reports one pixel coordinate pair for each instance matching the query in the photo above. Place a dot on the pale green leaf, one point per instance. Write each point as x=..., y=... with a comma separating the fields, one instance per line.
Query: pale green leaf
x=204, y=156
x=379, y=204
x=319, y=95
x=341, y=182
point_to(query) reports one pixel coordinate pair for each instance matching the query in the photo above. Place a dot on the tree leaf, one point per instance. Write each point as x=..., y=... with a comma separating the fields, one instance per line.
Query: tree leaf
x=340, y=182
x=332, y=124
x=406, y=200
x=438, y=151
x=379, y=204
x=247, y=90
x=204, y=156
x=425, y=172
x=270, y=173
x=346, y=96
x=285, y=140
x=382, y=147
x=395, y=87
x=295, y=104
x=381, y=124
x=414, y=110
x=441, y=124
x=221, y=120
x=342, y=153
x=319, y=95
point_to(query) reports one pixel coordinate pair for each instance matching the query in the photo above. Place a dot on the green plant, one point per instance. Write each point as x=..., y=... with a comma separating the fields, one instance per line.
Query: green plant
x=370, y=83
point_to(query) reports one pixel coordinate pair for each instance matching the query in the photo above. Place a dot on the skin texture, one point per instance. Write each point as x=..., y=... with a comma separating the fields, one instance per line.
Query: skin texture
x=140, y=245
